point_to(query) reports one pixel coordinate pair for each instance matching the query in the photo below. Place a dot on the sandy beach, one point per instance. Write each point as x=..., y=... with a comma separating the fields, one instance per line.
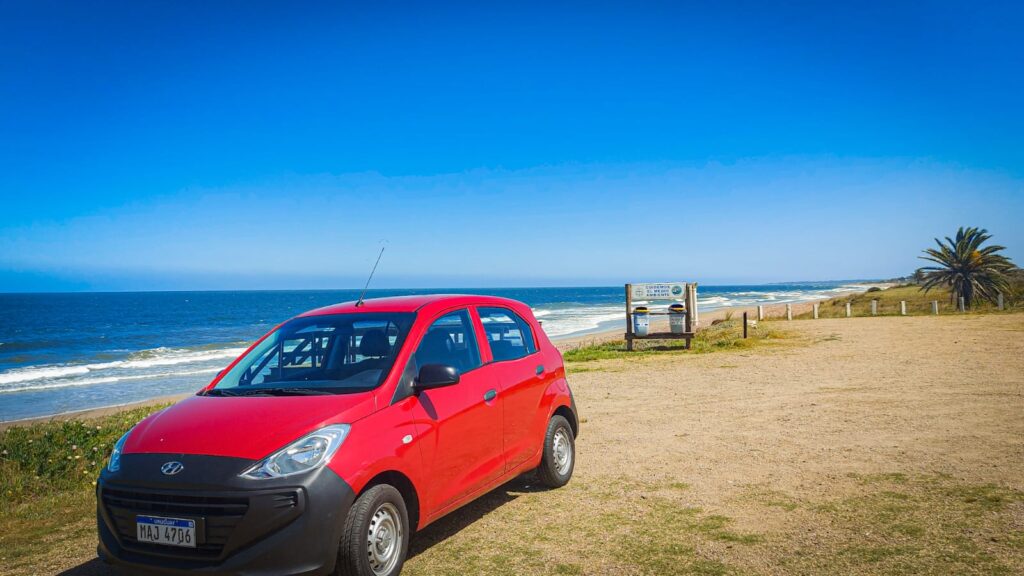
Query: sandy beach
x=786, y=444
x=92, y=413
x=772, y=311
x=798, y=457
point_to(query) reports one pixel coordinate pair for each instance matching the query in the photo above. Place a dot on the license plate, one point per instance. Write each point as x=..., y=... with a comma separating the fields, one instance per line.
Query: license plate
x=169, y=531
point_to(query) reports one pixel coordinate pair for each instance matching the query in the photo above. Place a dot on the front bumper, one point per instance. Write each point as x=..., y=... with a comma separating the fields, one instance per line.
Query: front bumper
x=259, y=527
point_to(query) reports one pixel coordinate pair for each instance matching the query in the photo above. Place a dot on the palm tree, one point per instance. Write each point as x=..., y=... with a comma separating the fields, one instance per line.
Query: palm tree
x=919, y=276
x=966, y=268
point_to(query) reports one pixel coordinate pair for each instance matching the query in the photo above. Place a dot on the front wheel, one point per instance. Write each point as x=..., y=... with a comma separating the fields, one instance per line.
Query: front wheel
x=376, y=537
x=559, y=454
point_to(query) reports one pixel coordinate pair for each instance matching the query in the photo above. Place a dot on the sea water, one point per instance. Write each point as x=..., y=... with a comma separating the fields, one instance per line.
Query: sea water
x=66, y=352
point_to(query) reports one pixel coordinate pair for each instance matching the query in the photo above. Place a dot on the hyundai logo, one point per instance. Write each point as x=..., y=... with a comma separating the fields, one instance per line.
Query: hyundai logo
x=172, y=468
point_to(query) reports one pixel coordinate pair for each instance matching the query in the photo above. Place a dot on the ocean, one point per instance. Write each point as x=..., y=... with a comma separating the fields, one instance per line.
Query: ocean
x=74, y=351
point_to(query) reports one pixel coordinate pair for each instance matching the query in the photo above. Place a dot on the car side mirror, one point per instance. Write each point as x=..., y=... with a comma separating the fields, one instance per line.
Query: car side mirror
x=436, y=376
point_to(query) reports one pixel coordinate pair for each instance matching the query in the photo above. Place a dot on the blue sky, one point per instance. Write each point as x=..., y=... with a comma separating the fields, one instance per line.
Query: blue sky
x=171, y=145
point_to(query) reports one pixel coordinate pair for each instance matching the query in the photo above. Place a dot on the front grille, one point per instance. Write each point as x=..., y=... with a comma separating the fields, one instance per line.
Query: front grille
x=217, y=517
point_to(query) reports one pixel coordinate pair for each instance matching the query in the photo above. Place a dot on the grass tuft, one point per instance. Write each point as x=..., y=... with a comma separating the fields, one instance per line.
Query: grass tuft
x=900, y=524
x=47, y=474
x=919, y=303
x=726, y=335
x=59, y=456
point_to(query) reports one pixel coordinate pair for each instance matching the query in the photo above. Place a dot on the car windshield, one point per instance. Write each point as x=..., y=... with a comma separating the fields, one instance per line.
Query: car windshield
x=331, y=354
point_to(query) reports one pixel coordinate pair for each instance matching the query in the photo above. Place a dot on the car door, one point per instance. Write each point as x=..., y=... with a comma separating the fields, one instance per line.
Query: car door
x=461, y=424
x=522, y=379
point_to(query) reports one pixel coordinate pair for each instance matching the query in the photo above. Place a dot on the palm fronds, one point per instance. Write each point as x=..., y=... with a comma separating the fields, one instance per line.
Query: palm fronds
x=967, y=268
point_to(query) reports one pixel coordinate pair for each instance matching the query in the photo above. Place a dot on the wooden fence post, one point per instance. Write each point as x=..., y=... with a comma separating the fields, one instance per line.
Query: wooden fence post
x=629, y=318
x=847, y=309
x=935, y=306
x=789, y=311
x=744, y=324
x=963, y=308
x=999, y=300
x=874, y=307
x=903, y=307
x=760, y=313
x=815, y=310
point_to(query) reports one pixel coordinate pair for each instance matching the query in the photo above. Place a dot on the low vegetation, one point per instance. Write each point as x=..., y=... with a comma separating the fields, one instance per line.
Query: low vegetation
x=906, y=524
x=619, y=525
x=724, y=335
x=871, y=524
x=47, y=474
x=918, y=302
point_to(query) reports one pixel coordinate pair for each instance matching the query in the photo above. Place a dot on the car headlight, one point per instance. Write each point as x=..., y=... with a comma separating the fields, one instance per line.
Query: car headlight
x=309, y=452
x=115, y=457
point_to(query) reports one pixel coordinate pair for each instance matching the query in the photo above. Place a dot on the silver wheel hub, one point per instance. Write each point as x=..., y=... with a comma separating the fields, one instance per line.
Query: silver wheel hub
x=384, y=539
x=561, y=450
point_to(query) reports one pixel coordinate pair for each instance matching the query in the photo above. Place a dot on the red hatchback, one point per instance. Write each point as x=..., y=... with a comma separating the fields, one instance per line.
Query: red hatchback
x=337, y=435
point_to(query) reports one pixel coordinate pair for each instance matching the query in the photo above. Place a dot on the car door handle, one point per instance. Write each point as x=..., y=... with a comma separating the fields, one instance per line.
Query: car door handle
x=540, y=369
x=490, y=395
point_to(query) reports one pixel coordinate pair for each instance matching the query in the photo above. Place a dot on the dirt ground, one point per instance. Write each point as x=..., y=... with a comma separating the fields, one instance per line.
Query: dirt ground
x=867, y=445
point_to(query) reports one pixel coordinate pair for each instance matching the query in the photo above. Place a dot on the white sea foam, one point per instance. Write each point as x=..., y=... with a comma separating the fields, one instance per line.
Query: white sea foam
x=139, y=364
x=560, y=321
x=572, y=319
x=68, y=383
x=39, y=373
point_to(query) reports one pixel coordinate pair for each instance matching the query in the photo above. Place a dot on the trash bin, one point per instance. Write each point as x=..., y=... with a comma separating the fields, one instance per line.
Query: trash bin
x=641, y=321
x=677, y=318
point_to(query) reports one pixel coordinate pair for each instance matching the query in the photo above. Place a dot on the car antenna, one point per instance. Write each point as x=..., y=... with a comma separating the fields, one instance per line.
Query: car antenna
x=363, y=293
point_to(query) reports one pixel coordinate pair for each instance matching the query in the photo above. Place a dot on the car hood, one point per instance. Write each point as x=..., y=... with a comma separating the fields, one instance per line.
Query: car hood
x=250, y=427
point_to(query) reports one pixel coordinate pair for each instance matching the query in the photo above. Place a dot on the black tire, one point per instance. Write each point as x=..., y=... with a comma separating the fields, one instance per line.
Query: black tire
x=354, y=554
x=554, y=471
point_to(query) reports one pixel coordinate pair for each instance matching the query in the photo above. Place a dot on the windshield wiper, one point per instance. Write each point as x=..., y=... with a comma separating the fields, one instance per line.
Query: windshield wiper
x=219, y=392
x=279, y=392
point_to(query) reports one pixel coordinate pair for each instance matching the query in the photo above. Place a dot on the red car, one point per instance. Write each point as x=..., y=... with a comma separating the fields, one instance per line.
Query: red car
x=336, y=436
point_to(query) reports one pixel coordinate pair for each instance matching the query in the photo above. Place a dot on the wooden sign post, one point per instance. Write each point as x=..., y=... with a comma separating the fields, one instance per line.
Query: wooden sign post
x=678, y=291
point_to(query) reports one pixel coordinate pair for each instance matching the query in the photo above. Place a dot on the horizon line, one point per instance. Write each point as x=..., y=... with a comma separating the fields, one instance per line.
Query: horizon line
x=371, y=290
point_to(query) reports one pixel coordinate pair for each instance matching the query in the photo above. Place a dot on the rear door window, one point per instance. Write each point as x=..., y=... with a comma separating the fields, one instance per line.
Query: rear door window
x=508, y=334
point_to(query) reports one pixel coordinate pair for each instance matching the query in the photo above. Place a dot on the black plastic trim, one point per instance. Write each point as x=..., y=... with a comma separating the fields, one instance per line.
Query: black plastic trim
x=286, y=525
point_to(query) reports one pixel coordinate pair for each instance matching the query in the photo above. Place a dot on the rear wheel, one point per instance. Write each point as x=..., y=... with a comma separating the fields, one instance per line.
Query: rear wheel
x=376, y=537
x=559, y=458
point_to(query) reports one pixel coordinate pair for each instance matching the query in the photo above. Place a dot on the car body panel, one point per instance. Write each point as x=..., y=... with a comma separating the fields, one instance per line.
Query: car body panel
x=243, y=427
x=460, y=438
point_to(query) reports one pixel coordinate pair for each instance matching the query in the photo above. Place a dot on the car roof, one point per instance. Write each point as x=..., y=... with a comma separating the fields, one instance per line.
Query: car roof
x=425, y=302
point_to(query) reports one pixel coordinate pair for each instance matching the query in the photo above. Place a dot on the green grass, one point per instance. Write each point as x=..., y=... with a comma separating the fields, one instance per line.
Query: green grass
x=899, y=524
x=890, y=523
x=59, y=456
x=662, y=537
x=618, y=525
x=727, y=335
x=918, y=303
x=47, y=474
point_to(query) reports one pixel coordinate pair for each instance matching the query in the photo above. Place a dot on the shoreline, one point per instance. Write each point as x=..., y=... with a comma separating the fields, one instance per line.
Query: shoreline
x=563, y=343
x=93, y=413
x=771, y=312
x=774, y=310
